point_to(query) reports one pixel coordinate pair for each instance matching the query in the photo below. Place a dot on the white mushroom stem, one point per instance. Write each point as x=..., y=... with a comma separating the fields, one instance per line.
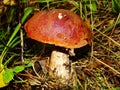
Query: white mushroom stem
x=60, y=66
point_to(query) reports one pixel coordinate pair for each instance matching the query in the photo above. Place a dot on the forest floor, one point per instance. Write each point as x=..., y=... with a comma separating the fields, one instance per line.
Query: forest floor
x=96, y=67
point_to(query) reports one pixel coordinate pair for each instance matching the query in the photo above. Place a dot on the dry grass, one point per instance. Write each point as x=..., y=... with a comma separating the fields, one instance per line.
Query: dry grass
x=98, y=70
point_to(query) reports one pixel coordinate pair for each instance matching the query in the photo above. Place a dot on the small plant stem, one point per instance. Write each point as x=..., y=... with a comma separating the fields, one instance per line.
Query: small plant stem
x=115, y=24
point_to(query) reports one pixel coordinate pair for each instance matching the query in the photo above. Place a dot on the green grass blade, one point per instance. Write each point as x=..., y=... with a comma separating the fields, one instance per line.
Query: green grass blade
x=10, y=42
x=26, y=14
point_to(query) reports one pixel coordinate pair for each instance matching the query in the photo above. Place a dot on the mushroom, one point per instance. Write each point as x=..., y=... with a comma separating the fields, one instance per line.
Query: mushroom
x=61, y=28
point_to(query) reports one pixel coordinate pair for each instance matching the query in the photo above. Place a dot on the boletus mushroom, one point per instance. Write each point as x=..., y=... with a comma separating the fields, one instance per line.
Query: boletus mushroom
x=61, y=28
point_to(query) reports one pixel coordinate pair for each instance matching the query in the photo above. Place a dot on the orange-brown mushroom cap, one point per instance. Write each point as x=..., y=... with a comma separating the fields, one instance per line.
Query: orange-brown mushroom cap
x=59, y=27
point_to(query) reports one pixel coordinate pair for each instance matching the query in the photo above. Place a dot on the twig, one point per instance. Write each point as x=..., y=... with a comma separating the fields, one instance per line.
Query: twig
x=22, y=45
x=107, y=65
